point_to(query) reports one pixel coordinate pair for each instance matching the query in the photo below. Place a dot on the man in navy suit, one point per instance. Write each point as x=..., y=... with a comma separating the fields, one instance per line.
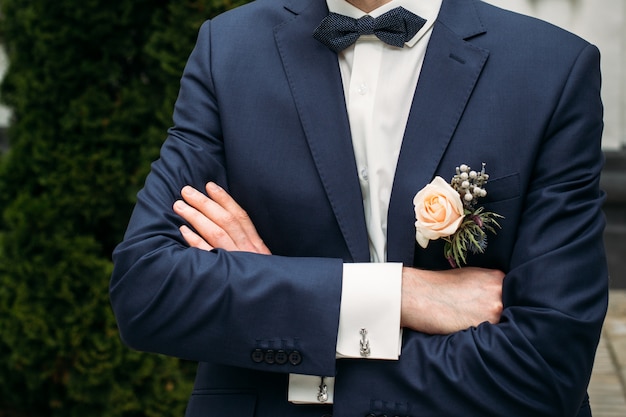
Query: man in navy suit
x=295, y=278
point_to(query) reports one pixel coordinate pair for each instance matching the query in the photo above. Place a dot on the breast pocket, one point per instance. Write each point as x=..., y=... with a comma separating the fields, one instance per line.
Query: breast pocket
x=502, y=189
x=210, y=403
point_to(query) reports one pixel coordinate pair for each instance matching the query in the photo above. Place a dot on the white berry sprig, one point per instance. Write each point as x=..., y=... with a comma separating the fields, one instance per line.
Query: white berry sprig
x=471, y=236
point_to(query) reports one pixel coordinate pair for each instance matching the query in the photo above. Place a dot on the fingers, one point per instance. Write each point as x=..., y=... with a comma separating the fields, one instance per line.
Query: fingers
x=497, y=282
x=236, y=218
x=483, y=291
x=206, y=229
x=193, y=239
x=488, y=291
x=218, y=220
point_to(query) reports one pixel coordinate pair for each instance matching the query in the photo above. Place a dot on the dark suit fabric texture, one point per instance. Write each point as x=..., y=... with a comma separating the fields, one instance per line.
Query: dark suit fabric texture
x=261, y=111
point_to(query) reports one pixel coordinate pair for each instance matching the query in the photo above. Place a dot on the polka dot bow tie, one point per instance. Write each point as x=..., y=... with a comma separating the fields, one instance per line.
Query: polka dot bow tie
x=395, y=27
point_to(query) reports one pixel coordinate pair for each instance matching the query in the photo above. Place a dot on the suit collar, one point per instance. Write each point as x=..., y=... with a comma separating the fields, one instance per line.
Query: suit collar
x=298, y=6
x=461, y=17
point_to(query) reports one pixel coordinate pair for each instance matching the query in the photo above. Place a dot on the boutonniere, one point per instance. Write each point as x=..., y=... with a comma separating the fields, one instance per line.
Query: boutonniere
x=450, y=211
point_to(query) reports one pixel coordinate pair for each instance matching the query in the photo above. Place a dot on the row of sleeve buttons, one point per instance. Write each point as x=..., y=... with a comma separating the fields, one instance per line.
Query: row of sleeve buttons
x=280, y=357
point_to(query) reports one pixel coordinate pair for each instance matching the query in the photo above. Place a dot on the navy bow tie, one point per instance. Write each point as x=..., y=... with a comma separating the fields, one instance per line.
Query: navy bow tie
x=395, y=27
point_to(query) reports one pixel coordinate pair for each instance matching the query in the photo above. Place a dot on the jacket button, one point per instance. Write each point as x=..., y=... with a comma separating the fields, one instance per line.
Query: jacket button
x=280, y=357
x=257, y=355
x=295, y=357
x=269, y=356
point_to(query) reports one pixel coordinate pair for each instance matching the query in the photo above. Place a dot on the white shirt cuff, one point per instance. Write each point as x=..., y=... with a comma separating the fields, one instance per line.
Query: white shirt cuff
x=309, y=389
x=370, y=300
x=369, y=318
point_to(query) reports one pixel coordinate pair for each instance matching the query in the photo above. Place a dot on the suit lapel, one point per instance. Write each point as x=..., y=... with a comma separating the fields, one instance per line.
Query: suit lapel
x=315, y=80
x=450, y=71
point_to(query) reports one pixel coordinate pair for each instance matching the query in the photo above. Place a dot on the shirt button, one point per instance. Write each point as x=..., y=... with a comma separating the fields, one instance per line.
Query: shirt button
x=295, y=357
x=363, y=174
x=362, y=89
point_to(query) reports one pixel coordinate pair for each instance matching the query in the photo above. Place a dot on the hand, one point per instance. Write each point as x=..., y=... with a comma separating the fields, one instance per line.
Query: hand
x=218, y=220
x=444, y=302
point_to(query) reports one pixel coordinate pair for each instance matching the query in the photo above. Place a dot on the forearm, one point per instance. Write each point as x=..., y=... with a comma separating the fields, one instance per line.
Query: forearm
x=220, y=307
x=444, y=302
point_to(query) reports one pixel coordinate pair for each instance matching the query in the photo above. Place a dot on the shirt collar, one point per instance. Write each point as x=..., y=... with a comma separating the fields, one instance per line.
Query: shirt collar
x=426, y=9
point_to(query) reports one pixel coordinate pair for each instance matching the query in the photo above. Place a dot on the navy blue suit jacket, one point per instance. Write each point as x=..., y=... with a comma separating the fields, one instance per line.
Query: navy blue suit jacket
x=261, y=111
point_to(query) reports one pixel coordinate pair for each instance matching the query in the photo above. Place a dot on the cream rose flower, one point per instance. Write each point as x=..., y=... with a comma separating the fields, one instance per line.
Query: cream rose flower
x=438, y=211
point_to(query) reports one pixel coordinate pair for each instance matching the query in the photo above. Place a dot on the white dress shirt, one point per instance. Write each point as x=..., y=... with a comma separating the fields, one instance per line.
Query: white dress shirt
x=379, y=81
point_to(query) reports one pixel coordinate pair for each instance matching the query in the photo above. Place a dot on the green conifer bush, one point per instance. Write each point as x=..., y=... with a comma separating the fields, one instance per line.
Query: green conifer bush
x=91, y=84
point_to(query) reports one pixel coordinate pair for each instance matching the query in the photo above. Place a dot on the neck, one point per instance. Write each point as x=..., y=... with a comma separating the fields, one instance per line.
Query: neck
x=367, y=5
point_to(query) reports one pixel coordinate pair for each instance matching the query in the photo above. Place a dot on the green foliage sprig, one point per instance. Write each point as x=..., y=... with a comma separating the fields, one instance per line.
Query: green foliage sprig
x=471, y=236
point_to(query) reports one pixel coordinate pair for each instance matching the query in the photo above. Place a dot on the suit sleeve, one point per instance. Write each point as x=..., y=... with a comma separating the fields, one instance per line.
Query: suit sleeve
x=216, y=306
x=537, y=361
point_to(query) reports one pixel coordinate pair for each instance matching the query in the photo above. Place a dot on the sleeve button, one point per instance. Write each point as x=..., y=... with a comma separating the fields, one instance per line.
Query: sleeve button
x=295, y=358
x=269, y=356
x=257, y=355
x=281, y=357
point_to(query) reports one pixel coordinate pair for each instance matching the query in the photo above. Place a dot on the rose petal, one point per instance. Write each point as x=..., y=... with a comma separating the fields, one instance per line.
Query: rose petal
x=421, y=239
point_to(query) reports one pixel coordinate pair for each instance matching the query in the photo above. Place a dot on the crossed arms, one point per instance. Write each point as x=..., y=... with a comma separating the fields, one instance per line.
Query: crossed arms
x=181, y=301
x=434, y=302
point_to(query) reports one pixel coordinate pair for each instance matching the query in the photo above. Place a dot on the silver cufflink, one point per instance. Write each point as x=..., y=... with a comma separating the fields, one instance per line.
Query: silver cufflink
x=322, y=395
x=365, y=344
